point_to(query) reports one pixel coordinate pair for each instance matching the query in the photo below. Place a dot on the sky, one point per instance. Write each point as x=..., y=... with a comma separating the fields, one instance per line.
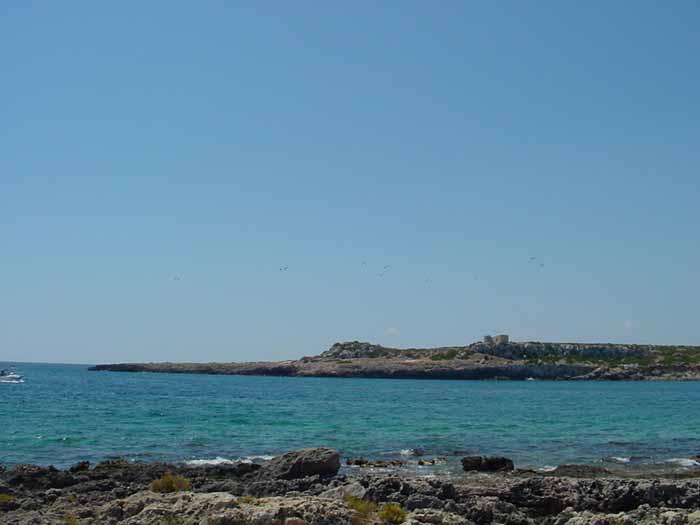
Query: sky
x=426, y=172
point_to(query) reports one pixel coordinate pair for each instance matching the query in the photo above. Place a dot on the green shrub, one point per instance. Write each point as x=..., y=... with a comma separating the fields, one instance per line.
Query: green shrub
x=364, y=509
x=392, y=513
x=6, y=498
x=170, y=483
x=69, y=519
x=445, y=356
x=247, y=500
x=171, y=520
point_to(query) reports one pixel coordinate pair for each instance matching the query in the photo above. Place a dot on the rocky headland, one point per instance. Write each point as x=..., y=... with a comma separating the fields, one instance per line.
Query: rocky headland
x=308, y=487
x=506, y=360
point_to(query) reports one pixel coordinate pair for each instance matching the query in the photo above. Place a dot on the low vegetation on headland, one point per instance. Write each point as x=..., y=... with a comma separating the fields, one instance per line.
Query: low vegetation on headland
x=492, y=359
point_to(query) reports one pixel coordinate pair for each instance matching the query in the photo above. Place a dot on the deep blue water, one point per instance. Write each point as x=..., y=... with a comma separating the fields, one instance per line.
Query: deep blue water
x=64, y=413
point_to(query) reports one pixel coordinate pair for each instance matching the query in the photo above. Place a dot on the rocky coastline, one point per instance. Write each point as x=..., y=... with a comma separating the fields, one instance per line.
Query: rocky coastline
x=505, y=361
x=308, y=487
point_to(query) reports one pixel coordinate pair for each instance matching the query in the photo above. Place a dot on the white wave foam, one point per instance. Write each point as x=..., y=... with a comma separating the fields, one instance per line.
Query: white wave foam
x=206, y=462
x=225, y=461
x=618, y=459
x=548, y=468
x=684, y=462
x=412, y=452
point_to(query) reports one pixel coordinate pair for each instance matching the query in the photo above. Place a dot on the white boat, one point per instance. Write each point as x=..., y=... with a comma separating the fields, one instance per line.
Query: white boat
x=10, y=377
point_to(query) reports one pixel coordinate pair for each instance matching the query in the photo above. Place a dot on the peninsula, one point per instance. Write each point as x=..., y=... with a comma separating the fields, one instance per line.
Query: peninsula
x=493, y=358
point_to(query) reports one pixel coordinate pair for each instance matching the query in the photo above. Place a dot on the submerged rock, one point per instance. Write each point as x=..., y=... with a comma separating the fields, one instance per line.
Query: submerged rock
x=487, y=463
x=379, y=463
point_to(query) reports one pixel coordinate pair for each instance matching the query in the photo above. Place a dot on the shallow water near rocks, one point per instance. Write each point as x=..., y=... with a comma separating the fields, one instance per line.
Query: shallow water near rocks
x=64, y=413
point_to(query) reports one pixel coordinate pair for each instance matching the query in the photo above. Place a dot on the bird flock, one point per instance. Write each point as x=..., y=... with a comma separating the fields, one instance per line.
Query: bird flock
x=385, y=269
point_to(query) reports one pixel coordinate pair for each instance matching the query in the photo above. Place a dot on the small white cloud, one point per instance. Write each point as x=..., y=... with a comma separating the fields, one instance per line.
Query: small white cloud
x=628, y=324
x=392, y=331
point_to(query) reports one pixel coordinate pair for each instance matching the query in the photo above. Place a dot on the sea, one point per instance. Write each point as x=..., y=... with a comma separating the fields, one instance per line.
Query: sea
x=62, y=414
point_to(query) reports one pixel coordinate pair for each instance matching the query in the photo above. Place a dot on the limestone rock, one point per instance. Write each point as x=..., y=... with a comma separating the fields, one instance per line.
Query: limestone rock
x=304, y=463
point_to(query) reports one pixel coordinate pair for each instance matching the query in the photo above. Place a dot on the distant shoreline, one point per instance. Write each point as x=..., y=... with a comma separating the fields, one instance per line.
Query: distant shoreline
x=478, y=361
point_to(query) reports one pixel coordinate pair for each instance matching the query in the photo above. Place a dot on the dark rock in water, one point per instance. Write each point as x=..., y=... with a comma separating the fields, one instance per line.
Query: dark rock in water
x=81, y=466
x=303, y=463
x=486, y=463
x=376, y=463
x=113, y=463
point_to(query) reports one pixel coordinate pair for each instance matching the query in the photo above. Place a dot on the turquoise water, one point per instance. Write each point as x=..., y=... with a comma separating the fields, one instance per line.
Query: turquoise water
x=63, y=414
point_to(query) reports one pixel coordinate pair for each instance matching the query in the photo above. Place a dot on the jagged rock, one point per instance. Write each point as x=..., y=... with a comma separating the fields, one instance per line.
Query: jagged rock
x=286, y=511
x=644, y=515
x=354, y=489
x=436, y=517
x=117, y=493
x=278, y=487
x=487, y=463
x=35, y=477
x=487, y=510
x=145, y=508
x=81, y=466
x=423, y=501
x=303, y=463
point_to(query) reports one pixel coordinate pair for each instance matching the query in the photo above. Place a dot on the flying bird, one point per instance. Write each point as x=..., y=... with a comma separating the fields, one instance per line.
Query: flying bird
x=284, y=268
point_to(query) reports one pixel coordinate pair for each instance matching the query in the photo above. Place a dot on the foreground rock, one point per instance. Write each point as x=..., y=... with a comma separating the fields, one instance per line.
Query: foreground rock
x=304, y=463
x=305, y=487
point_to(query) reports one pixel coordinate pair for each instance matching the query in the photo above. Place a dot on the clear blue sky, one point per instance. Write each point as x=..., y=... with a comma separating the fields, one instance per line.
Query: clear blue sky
x=218, y=141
